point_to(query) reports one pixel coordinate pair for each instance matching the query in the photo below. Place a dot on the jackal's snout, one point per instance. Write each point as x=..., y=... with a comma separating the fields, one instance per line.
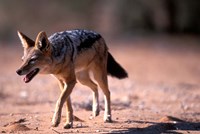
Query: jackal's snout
x=19, y=72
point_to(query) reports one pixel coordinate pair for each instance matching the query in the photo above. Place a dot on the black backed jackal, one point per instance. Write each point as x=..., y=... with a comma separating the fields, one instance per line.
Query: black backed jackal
x=70, y=56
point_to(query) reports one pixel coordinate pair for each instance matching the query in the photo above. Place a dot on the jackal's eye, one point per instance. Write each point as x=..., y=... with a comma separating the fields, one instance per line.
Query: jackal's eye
x=32, y=60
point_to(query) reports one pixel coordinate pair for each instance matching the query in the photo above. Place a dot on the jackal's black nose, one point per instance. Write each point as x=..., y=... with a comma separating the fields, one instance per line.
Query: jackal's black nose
x=19, y=72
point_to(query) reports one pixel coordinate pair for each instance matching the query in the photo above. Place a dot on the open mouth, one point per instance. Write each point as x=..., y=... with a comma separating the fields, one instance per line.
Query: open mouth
x=30, y=75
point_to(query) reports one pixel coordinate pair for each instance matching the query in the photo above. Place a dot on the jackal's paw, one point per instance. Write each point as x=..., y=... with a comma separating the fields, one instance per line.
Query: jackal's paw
x=96, y=113
x=68, y=125
x=107, y=119
x=55, y=124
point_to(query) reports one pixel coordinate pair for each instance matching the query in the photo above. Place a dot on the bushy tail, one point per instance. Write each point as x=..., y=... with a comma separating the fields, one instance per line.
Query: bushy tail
x=114, y=69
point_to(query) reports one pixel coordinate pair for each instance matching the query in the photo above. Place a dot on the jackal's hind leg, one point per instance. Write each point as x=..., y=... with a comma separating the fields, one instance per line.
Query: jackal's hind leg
x=84, y=78
x=100, y=75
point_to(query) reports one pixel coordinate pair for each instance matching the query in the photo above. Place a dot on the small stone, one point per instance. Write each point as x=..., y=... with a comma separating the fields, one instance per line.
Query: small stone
x=110, y=131
x=91, y=117
x=79, y=125
x=128, y=121
x=174, y=120
x=23, y=94
x=97, y=131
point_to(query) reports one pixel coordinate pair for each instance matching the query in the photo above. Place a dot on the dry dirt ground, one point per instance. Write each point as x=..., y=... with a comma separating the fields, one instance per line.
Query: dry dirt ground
x=161, y=95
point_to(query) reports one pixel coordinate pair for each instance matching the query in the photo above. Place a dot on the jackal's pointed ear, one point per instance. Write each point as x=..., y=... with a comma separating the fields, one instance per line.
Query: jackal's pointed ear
x=26, y=41
x=42, y=42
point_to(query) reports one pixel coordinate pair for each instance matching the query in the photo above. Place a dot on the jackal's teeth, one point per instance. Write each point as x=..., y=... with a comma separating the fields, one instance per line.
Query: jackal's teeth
x=30, y=75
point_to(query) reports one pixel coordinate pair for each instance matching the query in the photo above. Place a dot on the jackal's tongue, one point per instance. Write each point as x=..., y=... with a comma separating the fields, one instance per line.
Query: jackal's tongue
x=30, y=75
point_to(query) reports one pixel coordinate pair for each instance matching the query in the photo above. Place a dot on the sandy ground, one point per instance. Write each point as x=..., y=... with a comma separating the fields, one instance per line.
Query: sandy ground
x=161, y=95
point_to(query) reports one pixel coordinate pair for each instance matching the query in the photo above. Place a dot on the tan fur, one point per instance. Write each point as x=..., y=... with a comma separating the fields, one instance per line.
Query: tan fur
x=68, y=72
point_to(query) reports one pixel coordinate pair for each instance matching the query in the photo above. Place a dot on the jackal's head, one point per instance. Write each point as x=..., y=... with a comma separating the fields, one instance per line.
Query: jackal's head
x=37, y=56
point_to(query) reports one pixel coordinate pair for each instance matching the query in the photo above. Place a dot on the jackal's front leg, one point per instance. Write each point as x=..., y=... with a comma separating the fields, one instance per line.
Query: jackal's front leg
x=67, y=89
x=69, y=114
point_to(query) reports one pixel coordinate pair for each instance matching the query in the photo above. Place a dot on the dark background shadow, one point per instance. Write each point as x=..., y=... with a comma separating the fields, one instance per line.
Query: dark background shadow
x=157, y=128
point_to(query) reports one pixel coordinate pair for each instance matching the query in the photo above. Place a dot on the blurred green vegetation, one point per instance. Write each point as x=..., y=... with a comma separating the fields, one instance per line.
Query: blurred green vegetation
x=112, y=18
